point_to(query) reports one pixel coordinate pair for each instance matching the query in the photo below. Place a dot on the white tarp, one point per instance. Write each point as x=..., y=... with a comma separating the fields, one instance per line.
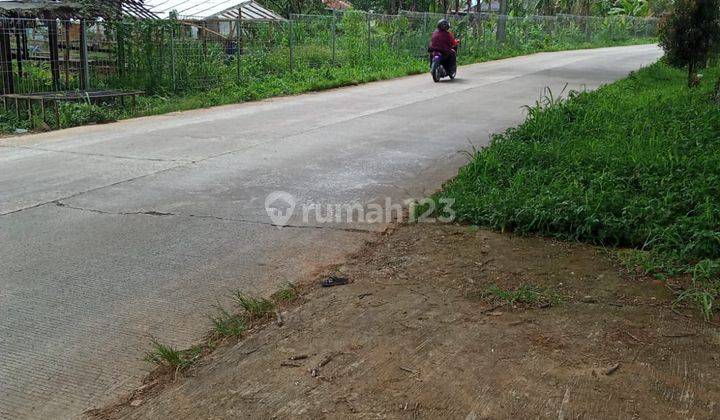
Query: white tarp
x=207, y=9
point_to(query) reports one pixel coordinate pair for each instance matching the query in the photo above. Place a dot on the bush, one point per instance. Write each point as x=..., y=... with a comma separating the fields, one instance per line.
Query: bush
x=690, y=33
x=73, y=114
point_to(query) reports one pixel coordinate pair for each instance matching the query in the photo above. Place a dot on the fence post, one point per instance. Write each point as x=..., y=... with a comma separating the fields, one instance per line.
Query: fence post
x=334, y=35
x=238, y=41
x=120, y=47
x=85, y=72
x=18, y=48
x=173, y=64
x=586, y=28
x=6, y=66
x=204, y=33
x=369, y=39
x=53, y=44
x=502, y=22
x=292, y=43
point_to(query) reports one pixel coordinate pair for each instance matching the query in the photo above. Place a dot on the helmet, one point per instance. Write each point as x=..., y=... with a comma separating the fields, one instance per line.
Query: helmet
x=443, y=25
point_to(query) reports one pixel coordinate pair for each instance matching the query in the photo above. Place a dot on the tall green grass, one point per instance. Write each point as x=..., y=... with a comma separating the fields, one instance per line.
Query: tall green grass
x=634, y=164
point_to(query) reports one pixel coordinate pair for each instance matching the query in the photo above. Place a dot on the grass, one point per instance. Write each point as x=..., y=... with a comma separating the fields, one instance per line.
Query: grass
x=254, y=307
x=167, y=356
x=287, y=293
x=226, y=324
x=635, y=164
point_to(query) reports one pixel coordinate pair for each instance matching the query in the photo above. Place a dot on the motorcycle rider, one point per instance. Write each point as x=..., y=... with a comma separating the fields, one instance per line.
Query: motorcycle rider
x=444, y=41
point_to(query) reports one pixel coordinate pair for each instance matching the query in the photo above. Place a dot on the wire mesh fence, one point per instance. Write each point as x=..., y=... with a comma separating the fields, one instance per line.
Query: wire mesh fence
x=175, y=56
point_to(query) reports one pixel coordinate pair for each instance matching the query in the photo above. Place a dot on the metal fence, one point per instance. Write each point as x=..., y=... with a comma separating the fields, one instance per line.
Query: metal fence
x=179, y=56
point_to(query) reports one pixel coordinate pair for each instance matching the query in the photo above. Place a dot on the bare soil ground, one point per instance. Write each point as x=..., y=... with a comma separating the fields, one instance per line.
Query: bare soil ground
x=413, y=337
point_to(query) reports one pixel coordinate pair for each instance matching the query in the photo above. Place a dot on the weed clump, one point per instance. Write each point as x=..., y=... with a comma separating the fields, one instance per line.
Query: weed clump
x=287, y=293
x=226, y=324
x=167, y=356
x=254, y=307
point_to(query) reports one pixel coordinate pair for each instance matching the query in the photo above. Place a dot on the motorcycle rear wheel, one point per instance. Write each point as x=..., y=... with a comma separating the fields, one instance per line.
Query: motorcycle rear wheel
x=434, y=71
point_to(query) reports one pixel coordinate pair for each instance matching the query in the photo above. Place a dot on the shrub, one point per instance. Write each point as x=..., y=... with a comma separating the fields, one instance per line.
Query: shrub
x=690, y=33
x=82, y=113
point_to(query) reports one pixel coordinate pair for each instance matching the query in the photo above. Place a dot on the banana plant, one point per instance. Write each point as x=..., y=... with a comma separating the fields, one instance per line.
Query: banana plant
x=630, y=8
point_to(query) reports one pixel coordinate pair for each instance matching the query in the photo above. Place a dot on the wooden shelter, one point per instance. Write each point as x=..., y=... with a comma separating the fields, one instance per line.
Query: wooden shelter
x=61, y=9
x=20, y=17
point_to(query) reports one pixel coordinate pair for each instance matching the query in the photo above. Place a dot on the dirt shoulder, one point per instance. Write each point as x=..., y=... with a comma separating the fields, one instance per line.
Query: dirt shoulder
x=413, y=337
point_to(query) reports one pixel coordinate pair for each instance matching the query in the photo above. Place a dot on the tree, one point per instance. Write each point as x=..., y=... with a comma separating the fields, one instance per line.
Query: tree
x=288, y=7
x=630, y=8
x=690, y=34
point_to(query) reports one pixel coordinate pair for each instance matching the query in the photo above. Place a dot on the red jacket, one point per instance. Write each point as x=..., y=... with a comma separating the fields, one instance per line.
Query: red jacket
x=443, y=41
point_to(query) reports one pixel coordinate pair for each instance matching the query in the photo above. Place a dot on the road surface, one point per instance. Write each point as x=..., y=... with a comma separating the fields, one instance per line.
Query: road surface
x=111, y=234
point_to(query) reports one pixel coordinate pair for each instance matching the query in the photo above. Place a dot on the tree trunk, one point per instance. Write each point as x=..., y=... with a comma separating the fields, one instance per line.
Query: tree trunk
x=690, y=74
x=693, y=80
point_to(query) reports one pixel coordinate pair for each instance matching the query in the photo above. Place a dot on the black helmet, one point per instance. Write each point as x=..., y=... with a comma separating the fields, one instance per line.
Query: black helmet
x=443, y=25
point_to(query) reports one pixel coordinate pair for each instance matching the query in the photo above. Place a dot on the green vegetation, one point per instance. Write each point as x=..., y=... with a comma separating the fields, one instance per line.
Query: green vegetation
x=518, y=8
x=254, y=307
x=167, y=356
x=226, y=324
x=690, y=34
x=180, y=72
x=634, y=164
x=287, y=293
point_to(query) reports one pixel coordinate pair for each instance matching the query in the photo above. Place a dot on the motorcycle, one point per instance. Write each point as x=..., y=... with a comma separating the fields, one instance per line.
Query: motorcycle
x=438, y=70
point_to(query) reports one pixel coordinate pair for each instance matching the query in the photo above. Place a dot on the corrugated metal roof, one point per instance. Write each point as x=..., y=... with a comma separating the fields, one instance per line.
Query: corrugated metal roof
x=48, y=8
x=36, y=5
x=210, y=9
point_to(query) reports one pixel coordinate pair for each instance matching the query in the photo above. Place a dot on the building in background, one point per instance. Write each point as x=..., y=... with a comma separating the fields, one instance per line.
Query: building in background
x=211, y=19
x=209, y=10
x=337, y=4
x=47, y=9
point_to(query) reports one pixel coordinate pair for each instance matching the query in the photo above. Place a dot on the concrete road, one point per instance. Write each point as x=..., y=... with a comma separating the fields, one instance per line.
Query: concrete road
x=110, y=234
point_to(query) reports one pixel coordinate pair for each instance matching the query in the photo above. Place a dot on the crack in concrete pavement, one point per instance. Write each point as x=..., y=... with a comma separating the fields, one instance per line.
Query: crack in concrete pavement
x=70, y=152
x=156, y=213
